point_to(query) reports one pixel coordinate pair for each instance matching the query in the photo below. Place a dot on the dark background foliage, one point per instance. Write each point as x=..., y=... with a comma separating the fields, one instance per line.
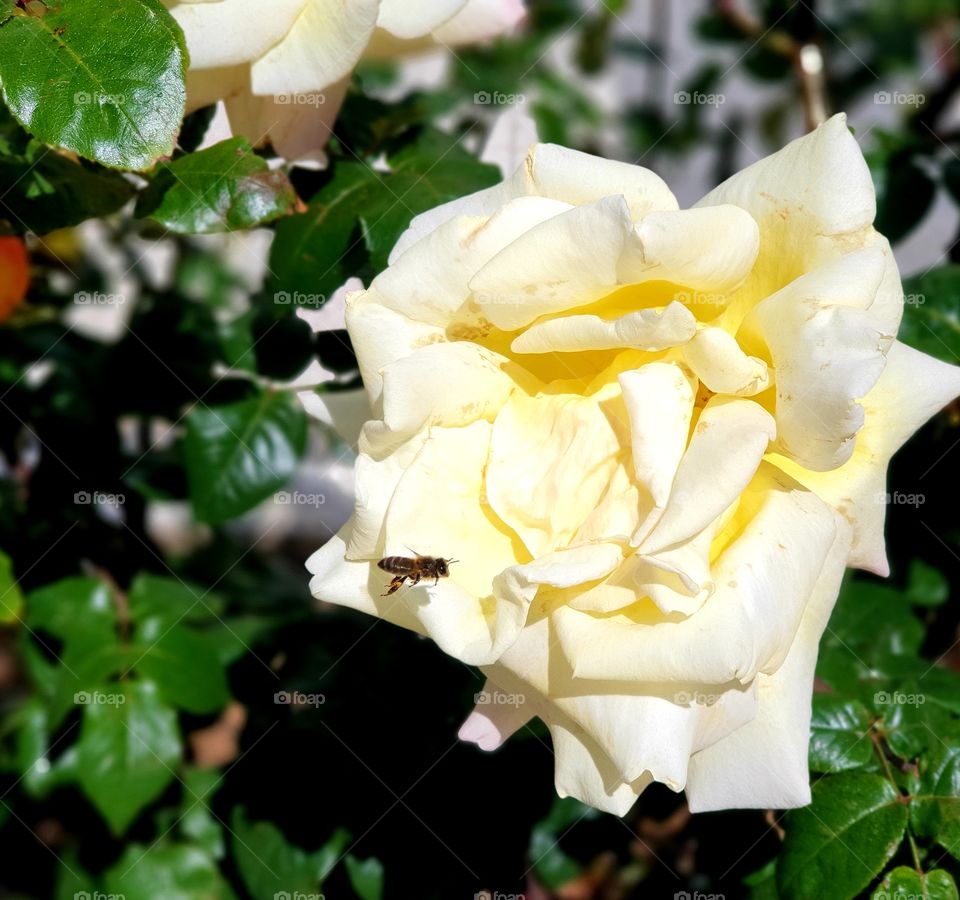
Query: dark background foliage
x=147, y=746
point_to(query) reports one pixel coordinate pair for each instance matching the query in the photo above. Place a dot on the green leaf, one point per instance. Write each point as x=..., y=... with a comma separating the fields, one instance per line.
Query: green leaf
x=432, y=170
x=554, y=867
x=170, y=871
x=239, y=454
x=834, y=846
x=931, y=317
x=127, y=751
x=32, y=747
x=315, y=252
x=103, y=78
x=44, y=190
x=329, y=854
x=935, y=809
x=906, y=193
x=909, y=728
x=926, y=586
x=88, y=661
x=267, y=863
x=366, y=877
x=73, y=882
x=763, y=882
x=11, y=599
x=354, y=220
x=872, y=637
x=73, y=607
x=196, y=821
x=183, y=664
x=170, y=599
x=81, y=612
x=838, y=734
x=223, y=188
x=904, y=882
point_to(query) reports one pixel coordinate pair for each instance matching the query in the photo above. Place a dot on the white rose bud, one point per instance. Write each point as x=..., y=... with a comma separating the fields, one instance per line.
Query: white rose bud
x=283, y=67
x=653, y=439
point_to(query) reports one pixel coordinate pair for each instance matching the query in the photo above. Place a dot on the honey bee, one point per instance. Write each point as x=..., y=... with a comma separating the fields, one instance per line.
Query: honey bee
x=403, y=567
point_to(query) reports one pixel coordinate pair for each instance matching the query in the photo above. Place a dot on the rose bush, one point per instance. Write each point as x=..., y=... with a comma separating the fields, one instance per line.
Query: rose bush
x=654, y=439
x=283, y=68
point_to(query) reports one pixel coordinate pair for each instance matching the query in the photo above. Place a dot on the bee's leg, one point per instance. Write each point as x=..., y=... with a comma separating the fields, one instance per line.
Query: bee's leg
x=436, y=580
x=395, y=585
x=414, y=578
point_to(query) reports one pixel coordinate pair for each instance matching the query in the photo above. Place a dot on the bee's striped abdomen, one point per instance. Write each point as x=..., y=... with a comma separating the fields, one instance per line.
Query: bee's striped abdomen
x=397, y=565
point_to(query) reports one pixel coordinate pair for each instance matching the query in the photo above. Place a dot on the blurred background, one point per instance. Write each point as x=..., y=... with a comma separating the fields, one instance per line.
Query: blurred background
x=180, y=720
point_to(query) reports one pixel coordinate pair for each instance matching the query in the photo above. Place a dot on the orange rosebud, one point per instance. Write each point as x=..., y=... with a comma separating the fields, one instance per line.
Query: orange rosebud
x=14, y=275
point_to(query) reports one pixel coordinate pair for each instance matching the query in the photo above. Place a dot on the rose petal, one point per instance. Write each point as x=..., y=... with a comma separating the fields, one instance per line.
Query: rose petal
x=296, y=132
x=379, y=468
x=354, y=584
x=381, y=336
x=763, y=764
x=827, y=353
x=480, y=20
x=762, y=580
x=559, y=174
x=344, y=411
x=912, y=388
x=717, y=360
x=587, y=253
x=726, y=447
x=407, y=20
x=322, y=47
x=639, y=727
x=495, y=718
x=659, y=399
x=444, y=384
x=228, y=32
x=646, y=329
x=457, y=524
x=551, y=459
x=711, y=249
x=429, y=281
x=813, y=200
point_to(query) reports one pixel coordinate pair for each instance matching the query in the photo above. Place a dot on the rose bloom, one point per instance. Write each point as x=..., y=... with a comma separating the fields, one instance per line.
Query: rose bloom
x=283, y=67
x=654, y=439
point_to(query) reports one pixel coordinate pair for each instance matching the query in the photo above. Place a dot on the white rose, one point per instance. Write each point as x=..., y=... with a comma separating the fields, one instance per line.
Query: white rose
x=654, y=439
x=283, y=67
